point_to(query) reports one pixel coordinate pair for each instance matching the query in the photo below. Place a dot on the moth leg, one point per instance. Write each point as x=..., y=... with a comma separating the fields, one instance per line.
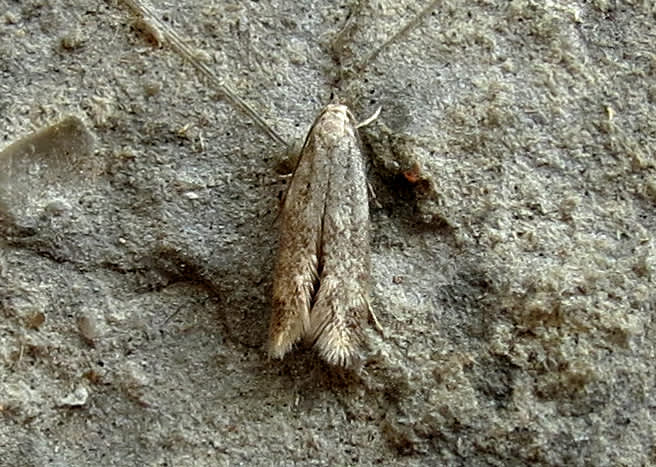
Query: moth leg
x=374, y=320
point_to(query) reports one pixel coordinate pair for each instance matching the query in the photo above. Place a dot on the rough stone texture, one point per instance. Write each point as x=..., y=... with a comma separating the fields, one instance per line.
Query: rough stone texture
x=513, y=234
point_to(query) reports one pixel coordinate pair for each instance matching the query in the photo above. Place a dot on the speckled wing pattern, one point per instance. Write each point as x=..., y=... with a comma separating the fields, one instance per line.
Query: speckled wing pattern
x=321, y=282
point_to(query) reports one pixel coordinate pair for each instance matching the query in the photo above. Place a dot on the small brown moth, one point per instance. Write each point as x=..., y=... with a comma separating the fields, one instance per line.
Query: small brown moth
x=321, y=282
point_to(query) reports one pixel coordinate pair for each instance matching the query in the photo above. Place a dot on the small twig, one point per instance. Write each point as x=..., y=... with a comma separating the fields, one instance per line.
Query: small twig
x=171, y=316
x=177, y=44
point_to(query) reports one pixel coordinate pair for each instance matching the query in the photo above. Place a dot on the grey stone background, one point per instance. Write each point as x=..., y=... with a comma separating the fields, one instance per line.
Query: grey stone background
x=513, y=234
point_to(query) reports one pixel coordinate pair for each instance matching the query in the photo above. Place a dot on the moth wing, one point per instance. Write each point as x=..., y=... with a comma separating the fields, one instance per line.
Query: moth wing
x=296, y=273
x=342, y=302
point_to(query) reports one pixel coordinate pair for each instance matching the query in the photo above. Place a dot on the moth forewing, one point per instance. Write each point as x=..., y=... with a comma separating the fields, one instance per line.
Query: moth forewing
x=296, y=272
x=321, y=282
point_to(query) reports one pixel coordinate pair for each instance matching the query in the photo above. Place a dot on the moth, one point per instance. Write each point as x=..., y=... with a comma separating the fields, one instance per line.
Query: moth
x=321, y=281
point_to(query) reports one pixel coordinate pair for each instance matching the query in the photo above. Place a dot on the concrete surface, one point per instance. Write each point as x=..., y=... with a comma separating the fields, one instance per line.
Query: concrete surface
x=513, y=239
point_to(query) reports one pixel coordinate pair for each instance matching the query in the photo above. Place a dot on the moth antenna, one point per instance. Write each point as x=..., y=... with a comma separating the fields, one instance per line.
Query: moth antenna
x=400, y=33
x=177, y=44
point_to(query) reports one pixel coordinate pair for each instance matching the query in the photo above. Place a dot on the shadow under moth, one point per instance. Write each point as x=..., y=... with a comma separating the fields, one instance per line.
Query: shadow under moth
x=321, y=281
